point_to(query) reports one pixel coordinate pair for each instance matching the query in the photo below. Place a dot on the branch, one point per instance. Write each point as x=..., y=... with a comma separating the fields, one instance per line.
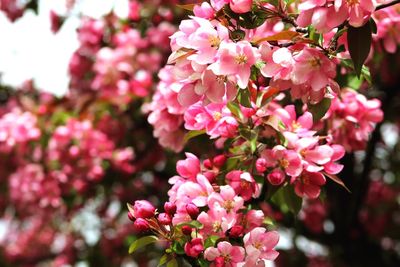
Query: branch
x=387, y=5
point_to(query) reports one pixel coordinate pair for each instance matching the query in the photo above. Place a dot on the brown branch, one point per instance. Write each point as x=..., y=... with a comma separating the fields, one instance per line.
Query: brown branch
x=387, y=5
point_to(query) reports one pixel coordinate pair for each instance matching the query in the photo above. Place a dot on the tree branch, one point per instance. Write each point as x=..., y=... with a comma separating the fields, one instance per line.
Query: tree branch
x=387, y=5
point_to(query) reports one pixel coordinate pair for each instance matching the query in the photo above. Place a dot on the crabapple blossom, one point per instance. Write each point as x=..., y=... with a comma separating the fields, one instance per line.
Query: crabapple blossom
x=231, y=255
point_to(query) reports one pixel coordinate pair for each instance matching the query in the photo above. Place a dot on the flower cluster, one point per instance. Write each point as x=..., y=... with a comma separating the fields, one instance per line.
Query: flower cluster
x=17, y=128
x=351, y=119
x=206, y=215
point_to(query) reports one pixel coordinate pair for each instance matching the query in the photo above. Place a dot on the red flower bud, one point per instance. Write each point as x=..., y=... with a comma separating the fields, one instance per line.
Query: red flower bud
x=210, y=176
x=236, y=231
x=187, y=230
x=192, y=210
x=261, y=165
x=208, y=164
x=141, y=225
x=219, y=160
x=194, y=247
x=170, y=208
x=164, y=218
x=143, y=209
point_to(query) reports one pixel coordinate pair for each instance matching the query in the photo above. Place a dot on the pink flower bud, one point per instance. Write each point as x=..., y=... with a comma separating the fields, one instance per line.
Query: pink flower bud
x=241, y=6
x=192, y=210
x=141, y=225
x=261, y=165
x=194, y=247
x=164, y=218
x=210, y=176
x=208, y=164
x=236, y=231
x=276, y=177
x=187, y=230
x=143, y=209
x=219, y=161
x=170, y=208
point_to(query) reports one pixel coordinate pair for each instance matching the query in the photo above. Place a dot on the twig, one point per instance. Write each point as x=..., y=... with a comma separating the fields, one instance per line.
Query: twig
x=387, y=5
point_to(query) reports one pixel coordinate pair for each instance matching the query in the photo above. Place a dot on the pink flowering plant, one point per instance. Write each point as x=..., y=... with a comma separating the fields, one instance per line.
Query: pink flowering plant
x=232, y=128
x=260, y=81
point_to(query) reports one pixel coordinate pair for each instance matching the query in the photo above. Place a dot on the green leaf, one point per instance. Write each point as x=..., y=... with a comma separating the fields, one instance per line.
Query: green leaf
x=287, y=200
x=163, y=260
x=244, y=98
x=193, y=224
x=178, y=248
x=237, y=35
x=193, y=134
x=172, y=263
x=293, y=201
x=235, y=109
x=319, y=110
x=211, y=241
x=359, y=41
x=142, y=242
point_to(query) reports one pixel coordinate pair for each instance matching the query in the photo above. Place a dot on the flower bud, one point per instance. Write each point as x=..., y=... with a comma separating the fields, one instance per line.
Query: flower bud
x=241, y=6
x=276, y=177
x=170, y=208
x=192, y=210
x=210, y=176
x=219, y=160
x=194, y=247
x=236, y=231
x=187, y=230
x=164, y=218
x=141, y=225
x=208, y=164
x=143, y=209
x=261, y=165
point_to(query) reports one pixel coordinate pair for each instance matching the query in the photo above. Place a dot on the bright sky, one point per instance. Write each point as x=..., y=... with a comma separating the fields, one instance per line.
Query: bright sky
x=29, y=49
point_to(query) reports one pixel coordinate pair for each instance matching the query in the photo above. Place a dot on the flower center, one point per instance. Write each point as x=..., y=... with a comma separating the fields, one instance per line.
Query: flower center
x=241, y=59
x=352, y=3
x=217, y=116
x=283, y=163
x=228, y=205
x=216, y=226
x=214, y=41
x=315, y=62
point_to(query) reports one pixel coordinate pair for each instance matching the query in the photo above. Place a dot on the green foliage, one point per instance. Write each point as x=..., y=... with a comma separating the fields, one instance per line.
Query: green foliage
x=142, y=242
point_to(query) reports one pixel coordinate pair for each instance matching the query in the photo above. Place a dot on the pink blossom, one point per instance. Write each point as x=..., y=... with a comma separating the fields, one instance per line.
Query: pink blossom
x=194, y=247
x=204, y=11
x=314, y=68
x=216, y=221
x=309, y=184
x=243, y=184
x=240, y=6
x=226, y=199
x=280, y=157
x=231, y=254
x=188, y=168
x=259, y=245
x=235, y=59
